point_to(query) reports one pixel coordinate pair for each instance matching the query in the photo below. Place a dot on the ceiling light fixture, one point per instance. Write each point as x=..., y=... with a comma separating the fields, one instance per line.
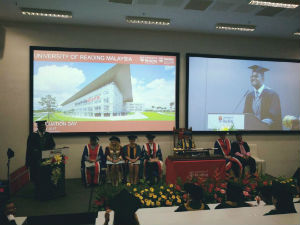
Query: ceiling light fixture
x=235, y=27
x=46, y=12
x=287, y=4
x=297, y=33
x=148, y=20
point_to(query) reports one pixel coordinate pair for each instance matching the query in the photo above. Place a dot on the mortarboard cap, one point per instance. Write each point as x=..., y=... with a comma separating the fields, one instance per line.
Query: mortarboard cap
x=41, y=122
x=258, y=69
x=194, y=190
x=234, y=193
x=124, y=203
x=132, y=137
x=114, y=138
x=150, y=136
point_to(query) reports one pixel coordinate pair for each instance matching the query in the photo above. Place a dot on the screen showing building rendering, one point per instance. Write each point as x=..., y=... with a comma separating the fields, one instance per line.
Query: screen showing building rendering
x=94, y=91
x=242, y=94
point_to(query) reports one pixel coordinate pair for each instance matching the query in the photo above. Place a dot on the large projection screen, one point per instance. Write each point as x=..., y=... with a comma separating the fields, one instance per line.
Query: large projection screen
x=242, y=94
x=95, y=91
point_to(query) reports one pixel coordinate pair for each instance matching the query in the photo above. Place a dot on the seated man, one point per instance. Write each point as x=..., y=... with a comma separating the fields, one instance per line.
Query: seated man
x=223, y=147
x=153, y=160
x=186, y=143
x=241, y=151
x=195, y=199
x=234, y=197
x=282, y=199
x=90, y=162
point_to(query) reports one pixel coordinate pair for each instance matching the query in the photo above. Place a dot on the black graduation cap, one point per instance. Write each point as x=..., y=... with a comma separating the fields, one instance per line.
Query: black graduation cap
x=114, y=138
x=258, y=69
x=281, y=191
x=41, y=122
x=132, y=137
x=124, y=203
x=150, y=136
x=234, y=193
x=194, y=190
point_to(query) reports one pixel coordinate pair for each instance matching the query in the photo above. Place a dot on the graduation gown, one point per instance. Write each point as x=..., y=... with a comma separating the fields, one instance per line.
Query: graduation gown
x=226, y=205
x=151, y=152
x=35, y=145
x=275, y=212
x=236, y=152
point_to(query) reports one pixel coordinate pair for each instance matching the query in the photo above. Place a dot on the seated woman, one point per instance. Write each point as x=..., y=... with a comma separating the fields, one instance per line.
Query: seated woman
x=114, y=159
x=124, y=205
x=153, y=160
x=194, y=200
x=234, y=197
x=132, y=153
x=282, y=198
x=90, y=161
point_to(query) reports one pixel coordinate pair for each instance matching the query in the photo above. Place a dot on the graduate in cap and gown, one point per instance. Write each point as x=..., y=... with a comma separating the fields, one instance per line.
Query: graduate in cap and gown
x=153, y=159
x=186, y=143
x=36, y=143
x=124, y=206
x=263, y=102
x=282, y=198
x=195, y=199
x=132, y=153
x=91, y=161
x=114, y=160
x=234, y=197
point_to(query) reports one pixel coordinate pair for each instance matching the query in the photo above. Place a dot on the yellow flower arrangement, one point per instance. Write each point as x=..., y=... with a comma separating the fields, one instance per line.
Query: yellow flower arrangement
x=164, y=197
x=142, y=201
x=58, y=159
x=150, y=195
x=134, y=189
x=168, y=190
x=159, y=199
x=154, y=196
x=160, y=193
x=171, y=185
x=162, y=187
x=136, y=194
x=128, y=184
x=148, y=203
x=173, y=196
x=141, y=197
x=171, y=192
x=142, y=191
x=157, y=203
x=168, y=202
x=152, y=189
x=178, y=200
x=152, y=203
x=146, y=190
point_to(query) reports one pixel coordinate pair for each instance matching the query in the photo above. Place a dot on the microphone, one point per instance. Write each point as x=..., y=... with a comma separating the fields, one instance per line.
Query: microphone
x=239, y=103
x=10, y=153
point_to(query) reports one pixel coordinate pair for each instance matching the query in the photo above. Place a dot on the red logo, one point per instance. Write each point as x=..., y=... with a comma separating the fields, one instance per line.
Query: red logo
x=220, y=118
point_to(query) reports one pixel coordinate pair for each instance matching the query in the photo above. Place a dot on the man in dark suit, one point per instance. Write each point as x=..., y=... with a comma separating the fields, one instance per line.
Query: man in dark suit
x=7, y=212
x=263, y=102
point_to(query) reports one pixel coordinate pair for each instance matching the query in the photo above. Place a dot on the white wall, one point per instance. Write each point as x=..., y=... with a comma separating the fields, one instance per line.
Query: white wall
x=281, y=152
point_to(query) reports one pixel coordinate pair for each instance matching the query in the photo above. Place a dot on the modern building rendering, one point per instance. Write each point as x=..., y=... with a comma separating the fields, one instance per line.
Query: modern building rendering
x=106, y=96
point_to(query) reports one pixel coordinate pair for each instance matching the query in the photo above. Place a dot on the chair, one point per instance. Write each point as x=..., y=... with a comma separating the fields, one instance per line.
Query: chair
x=260, y=163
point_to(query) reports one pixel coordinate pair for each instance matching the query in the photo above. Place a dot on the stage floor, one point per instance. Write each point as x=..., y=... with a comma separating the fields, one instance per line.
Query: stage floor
x=76, y=200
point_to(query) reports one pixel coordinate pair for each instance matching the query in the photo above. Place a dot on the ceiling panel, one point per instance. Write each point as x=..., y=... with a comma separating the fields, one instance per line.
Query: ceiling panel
x=198, y=4
x=173, y=3
x=272, y=11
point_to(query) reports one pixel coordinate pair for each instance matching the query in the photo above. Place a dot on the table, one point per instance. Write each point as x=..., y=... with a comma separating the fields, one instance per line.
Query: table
x=193, y=168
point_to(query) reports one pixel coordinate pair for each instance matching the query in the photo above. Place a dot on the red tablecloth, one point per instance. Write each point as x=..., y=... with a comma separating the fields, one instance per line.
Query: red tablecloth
x=195, y=168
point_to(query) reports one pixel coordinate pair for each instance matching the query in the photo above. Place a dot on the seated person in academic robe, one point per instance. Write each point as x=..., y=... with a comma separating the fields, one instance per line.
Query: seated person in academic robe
x=240, y=149
x=234, y=197
x=282, y=198
x=91, y=159
x=114, y=160
x=36, y=143
x=124, y=206
x=153, y=160
x=132, y=153
x=296, y=177
x=194, y=200
x=7, y=212
x=265, y=195
x=186, y=143
x=223, y=147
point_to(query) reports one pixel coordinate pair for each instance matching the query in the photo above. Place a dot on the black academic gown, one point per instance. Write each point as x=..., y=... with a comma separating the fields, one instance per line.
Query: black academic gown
x=275, y=212
x=4, y=220
x=35, y=146
x=224, y=205
x=270, y=107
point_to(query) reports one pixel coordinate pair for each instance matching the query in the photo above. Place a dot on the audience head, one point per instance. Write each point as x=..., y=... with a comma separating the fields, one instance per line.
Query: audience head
x=150, y=138
x=222, y=135
x=282, y=197
x=195, y=192
x=94, y=140
x=41, y=125
x=7, y=207
x=125, y=205
x=234, y=193
x=265, y=193
x=238, y=137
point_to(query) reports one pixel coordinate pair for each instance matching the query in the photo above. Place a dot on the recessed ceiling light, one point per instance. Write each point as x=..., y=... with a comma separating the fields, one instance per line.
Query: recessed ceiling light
x=235, y=27
x=46, y=12
x=297, y=33
x=148, y=20
x=289, y=4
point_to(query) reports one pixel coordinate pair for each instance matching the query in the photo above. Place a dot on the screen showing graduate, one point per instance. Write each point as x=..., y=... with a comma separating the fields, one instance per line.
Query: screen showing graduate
x=242, y=94
x=77, y=90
